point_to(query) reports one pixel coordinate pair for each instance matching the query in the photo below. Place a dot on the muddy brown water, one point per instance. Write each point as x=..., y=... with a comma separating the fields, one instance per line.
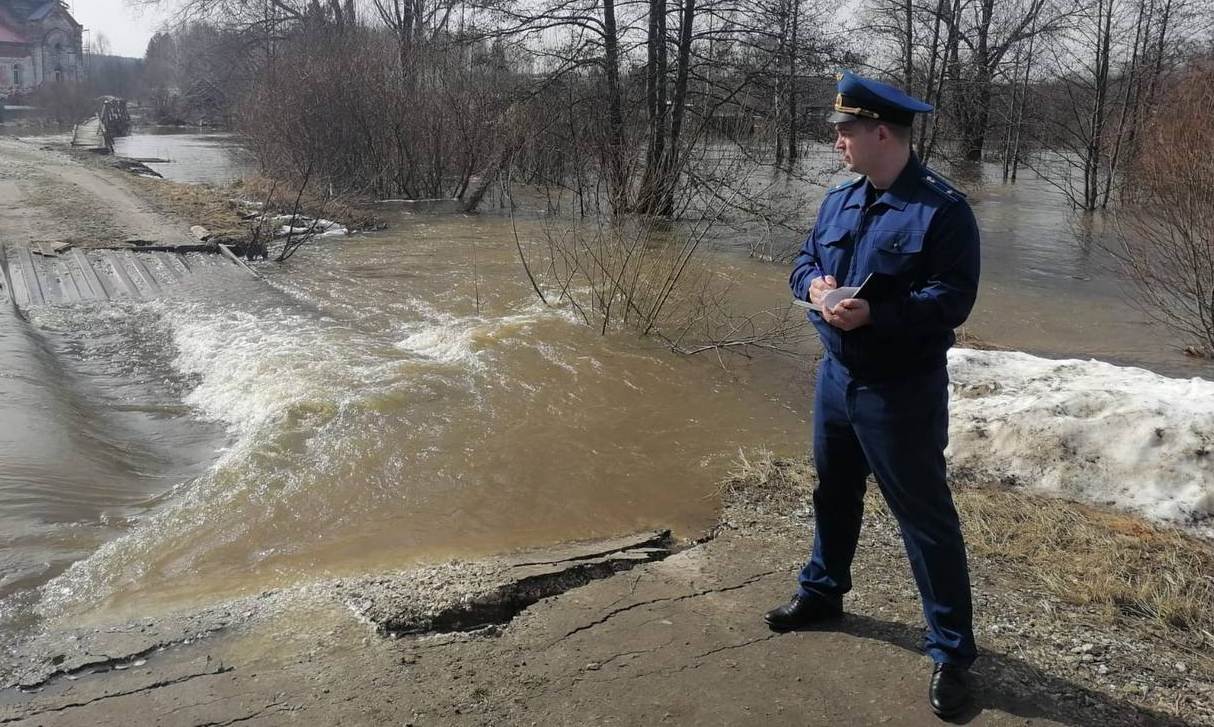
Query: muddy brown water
x=357, y=412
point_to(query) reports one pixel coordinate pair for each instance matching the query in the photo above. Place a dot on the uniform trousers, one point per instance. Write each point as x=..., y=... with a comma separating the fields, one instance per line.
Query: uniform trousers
x=896, y=430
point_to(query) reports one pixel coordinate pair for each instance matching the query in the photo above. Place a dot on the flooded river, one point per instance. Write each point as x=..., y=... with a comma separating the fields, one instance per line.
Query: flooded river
x=188, y=155
x=358, y=412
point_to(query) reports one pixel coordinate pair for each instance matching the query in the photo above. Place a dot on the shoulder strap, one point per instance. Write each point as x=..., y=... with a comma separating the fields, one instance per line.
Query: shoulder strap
x=846, y=185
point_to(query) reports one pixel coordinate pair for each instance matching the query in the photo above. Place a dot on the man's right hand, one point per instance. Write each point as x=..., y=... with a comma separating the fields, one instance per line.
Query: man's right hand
x=819, y=287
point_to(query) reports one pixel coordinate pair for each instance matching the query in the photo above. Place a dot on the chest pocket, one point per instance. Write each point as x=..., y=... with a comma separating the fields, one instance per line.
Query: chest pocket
x=835, y=247
x=897, y=252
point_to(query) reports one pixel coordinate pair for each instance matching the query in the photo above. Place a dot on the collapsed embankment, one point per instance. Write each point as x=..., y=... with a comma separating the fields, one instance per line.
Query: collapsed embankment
x=1083, y=616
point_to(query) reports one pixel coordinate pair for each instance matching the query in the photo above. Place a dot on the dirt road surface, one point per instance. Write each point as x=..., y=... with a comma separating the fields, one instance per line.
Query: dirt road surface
x=47, y=196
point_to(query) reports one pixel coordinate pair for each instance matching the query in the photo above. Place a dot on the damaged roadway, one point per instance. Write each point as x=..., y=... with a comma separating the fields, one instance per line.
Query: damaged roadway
x=674, y=640
x=638, y=630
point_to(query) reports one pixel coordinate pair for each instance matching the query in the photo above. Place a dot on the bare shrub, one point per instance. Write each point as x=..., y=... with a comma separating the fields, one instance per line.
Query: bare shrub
x=65, y=103
x=364, y=124
x=646, y=275
x=1166, y=229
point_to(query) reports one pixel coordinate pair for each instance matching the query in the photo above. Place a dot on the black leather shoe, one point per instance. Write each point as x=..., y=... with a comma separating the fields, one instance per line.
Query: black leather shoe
x=949, y=692
x=800, y=612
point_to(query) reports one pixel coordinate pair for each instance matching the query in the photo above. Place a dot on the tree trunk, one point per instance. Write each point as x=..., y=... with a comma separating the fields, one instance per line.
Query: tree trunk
x=929, y=87
x=792, y=86
x=977, y=111
x=908, y=54
x=949, y=67
x=1163, y=34
x=1129, y=81
x=778, y=107
x=672, y=169
x=979, y=115
x=1024, y=92
x=1010, y=129
x=1094, y=151
x=617, y=176
x=655, y=97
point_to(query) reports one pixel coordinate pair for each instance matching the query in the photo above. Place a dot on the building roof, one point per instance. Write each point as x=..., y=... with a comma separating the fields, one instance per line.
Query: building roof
x=8, y=28
x=44, y=10
x=9, y=35
x=49, y=8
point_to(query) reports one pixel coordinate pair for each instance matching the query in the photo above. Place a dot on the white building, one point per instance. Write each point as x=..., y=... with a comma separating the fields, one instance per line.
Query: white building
x=40, y=42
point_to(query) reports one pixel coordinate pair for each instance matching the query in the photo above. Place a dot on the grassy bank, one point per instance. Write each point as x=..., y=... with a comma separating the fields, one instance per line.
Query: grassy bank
x=1136, y=575
x=228, y=212
x=223, y=210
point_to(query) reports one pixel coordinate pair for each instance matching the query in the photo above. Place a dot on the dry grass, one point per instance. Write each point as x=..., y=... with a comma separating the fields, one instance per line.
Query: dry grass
x=1129, y=567
x=198, y=204
x=1135, y=572
x=968, y=339
x=214, y=208
x=761, y=476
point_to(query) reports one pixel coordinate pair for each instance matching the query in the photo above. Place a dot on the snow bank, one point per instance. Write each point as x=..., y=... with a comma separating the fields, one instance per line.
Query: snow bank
x=1087, y=430
x=307, y=226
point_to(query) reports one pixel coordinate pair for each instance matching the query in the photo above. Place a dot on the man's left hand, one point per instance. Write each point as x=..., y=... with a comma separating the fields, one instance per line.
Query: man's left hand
x=849, y=314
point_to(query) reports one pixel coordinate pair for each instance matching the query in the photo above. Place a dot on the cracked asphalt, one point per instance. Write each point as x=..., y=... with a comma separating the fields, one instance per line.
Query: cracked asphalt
x=674, y=641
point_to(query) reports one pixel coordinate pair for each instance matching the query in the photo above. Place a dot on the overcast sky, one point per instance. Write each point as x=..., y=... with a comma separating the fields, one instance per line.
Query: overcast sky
x=127, y=30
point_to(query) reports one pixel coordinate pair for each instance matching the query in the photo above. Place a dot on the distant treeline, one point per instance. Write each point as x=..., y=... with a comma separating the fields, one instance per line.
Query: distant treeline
x=702, y=109
x=627, y=104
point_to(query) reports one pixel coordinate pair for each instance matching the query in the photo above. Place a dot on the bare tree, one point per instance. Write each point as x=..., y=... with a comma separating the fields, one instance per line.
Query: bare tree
x=1096, y=92
x=988, y=38
x=643, y=100
x=1166, y=231
x=953, y=53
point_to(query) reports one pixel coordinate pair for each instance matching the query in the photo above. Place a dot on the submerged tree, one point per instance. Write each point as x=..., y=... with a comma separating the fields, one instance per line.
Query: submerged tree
x=956, y=55
x=1166, y=229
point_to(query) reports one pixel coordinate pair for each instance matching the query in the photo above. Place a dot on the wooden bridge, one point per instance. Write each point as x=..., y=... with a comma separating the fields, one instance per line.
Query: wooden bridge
x=98, y=131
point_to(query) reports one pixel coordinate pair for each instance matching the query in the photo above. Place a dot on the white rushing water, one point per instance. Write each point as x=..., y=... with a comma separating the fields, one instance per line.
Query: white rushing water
x=375, y=413
x=311, y=403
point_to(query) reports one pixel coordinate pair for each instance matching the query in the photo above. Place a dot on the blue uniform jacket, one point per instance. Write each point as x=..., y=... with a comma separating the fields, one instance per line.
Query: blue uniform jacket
x=922, y=231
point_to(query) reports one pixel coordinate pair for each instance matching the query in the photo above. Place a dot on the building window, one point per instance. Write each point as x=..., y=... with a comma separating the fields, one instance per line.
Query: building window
x=17, y=75
x=58, y=75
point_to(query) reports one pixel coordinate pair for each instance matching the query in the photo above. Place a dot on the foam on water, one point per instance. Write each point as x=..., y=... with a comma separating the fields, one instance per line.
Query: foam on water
x=449, y=343
x=304, y=397
x=277, y=379
x=249, y=372
x=449, y=339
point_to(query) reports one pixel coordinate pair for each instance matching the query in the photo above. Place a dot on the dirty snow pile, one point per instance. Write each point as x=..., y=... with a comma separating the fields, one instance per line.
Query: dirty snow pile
x=295, y=224
x=1086, y=430
x=300, y=225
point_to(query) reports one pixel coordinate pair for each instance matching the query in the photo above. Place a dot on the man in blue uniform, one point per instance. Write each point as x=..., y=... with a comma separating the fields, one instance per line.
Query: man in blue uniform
x=881, y=404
